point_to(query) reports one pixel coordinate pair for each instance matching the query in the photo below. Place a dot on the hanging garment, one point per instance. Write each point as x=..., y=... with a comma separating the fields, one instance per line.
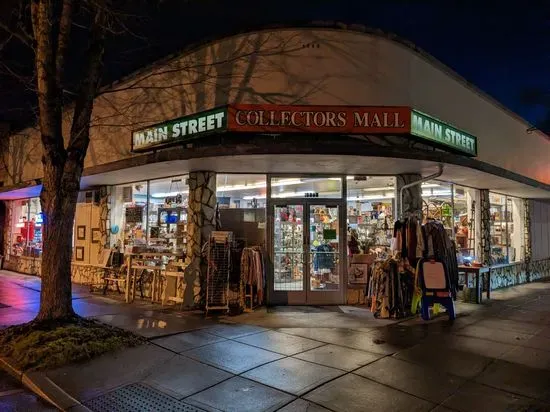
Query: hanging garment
x=411, y=239
x=440, y=247
x=252, y=269
x=392, y=289
x=323, y=258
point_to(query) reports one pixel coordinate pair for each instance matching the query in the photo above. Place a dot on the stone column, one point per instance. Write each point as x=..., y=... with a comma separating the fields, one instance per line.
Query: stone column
x=412, y=196
x=528, y=251
x=105, y=216
x=485, y=241
x=201, y=221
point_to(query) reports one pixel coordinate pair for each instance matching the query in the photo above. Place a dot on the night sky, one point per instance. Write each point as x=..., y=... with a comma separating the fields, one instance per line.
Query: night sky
x=503, y=47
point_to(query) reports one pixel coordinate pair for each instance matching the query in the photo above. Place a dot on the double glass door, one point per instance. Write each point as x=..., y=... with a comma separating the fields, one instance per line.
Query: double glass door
x=306, y=253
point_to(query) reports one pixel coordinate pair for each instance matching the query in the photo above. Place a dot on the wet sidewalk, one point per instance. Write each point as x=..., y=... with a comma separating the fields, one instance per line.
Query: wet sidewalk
x=494, y=357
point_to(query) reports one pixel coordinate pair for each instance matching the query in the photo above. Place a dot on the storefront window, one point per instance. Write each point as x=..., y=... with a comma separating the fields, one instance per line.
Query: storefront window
x=167, y=214
x=466, y=222
x=27, y=228
x=507, y=243
x=370, y=214
x=241, y=191
x=321, y=187
x=241, y=200
x=129, y=215
x=437, y=199
x=515, y=226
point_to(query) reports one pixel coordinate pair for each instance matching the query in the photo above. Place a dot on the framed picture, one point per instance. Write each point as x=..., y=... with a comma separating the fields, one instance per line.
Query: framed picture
x=96, y=235
x=79, y=253
x=81, y=232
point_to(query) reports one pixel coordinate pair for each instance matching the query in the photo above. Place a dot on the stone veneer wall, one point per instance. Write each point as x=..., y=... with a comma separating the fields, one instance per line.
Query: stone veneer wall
x=105, y=216
x=201, y=221
x=485, y=240
x=7, y=230
x=503, y=276
x=539, y=269
x=24, y=264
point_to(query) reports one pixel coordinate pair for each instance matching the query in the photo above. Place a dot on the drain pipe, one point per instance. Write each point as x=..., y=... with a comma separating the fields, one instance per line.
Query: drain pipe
x=418, y=182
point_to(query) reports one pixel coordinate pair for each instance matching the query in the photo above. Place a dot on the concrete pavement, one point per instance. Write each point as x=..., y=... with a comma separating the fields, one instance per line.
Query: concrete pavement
x=495, y=357
x=14, y=397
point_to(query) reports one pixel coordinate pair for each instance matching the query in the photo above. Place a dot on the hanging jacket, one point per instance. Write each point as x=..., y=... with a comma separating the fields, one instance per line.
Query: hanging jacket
x=323, y=258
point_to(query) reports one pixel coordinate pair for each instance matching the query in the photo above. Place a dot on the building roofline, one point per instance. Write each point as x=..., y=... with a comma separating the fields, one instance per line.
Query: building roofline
x=336, y=26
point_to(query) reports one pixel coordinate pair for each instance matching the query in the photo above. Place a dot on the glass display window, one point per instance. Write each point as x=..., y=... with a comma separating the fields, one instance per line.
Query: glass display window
x=27, y=228
x=466, y=222
x=167, y=214
x=370, y=214
x=437, y=204
x=515, y=209
x=241, y=202
x=129, y=215
x=506, y=228
x=241, y=191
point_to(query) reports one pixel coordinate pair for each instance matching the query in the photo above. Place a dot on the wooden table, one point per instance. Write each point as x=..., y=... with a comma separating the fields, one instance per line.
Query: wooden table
x=477, y=272
x=156, y=288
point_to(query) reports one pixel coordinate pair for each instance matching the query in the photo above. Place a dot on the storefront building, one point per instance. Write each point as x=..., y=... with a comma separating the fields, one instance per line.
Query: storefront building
x=305, y=142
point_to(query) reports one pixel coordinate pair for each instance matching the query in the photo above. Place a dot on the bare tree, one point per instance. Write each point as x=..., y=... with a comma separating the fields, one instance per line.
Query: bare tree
x=50, y=36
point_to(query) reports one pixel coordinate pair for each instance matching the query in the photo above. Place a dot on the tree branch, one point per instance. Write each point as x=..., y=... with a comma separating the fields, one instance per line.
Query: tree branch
x=65, y=23
x=21, y=36
x=80, y=131
x=49, y=99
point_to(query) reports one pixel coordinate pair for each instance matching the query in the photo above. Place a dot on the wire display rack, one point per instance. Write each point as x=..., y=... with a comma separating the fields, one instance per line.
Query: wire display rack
x=219, y=265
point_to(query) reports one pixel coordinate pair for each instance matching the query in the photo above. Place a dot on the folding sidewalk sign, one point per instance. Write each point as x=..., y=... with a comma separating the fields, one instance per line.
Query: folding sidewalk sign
x=433, y=279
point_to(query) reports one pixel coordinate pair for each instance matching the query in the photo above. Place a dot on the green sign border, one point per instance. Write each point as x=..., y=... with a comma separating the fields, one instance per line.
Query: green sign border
x=181, y=138
x=441, y=141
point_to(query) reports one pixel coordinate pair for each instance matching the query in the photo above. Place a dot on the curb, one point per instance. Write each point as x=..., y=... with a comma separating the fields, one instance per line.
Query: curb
x=44, y=387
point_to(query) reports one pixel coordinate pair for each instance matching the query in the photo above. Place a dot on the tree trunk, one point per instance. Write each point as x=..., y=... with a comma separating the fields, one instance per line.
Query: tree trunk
x=58, y=207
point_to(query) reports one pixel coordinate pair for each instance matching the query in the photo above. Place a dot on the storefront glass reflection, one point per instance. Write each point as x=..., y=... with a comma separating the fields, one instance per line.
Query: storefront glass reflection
x=27, y=228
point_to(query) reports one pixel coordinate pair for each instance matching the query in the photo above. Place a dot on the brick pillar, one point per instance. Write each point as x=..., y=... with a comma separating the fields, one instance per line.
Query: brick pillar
x=412, y=196
x=485, y=208
x=201, y=221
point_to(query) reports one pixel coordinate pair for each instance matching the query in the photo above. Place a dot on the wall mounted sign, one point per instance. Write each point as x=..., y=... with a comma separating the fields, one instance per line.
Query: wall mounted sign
x=180, y=130
x=279, y=119
x=318, y=119
x=441, y=133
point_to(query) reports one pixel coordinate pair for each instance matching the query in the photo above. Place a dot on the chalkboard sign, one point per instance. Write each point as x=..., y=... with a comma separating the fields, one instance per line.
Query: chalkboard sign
x=134, y=214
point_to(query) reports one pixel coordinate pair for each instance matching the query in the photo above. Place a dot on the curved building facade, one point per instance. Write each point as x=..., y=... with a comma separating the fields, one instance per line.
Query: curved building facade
x=303, y=142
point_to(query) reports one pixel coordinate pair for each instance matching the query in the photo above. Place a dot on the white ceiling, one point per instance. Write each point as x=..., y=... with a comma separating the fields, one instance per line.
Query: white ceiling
x=318, y=164
x=294, y=165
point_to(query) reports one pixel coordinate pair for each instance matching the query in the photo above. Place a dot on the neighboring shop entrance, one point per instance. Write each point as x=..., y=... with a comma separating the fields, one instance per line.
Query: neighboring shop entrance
x=306, y=251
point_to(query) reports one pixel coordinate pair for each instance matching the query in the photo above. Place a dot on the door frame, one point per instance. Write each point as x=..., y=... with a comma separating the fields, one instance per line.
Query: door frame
x=306, y=296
